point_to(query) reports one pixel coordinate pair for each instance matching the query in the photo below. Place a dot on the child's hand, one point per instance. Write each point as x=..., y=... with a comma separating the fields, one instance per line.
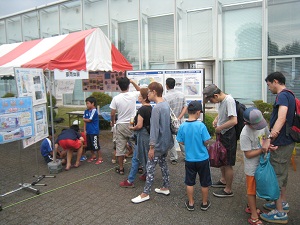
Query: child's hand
x=273, y=147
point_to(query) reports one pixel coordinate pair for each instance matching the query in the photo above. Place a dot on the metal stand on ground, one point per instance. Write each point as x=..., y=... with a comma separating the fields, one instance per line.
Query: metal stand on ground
x=27, y=186
x=39, y=178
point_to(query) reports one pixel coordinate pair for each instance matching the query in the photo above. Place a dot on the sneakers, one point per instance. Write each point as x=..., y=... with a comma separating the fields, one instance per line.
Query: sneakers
x=205, y=207
x=139, y=199
x=218, y=184
x=126, y=184
x=222, y=194
x=83, y=158
x=160, y=191
x=272, y=205
x=275, y=217
x=174, y=162
x=188, y=206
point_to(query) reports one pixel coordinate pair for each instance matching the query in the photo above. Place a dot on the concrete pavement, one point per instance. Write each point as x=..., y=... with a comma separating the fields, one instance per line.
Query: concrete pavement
x=91, y=194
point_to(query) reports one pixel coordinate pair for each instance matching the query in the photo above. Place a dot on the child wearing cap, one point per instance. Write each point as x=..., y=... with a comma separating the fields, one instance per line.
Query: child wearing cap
x=252, y=136
x=194, y=135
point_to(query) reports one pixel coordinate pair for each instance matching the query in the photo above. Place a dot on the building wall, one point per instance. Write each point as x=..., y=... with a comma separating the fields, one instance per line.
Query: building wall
x=243, y=40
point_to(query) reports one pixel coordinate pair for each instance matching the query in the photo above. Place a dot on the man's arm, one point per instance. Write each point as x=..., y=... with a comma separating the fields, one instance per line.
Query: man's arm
x=183, y=111
x=230, y=123
x=282, y=112
x=112, y=117
x=137, y=87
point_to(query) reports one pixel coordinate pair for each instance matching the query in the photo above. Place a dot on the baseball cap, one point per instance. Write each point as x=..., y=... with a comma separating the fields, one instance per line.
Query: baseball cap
x=209, y=91
x=194, y=106
x=255, y=118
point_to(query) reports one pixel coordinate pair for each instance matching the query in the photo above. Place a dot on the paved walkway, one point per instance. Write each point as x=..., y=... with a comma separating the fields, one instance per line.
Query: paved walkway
x=90, y=194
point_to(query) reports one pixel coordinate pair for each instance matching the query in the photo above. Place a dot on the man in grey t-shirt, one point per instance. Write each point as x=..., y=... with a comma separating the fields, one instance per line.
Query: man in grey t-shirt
x=177, y=103
x=224, y=126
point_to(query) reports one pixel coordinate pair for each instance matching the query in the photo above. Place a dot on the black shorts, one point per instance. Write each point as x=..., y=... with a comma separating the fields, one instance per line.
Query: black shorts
x=193, y=168
x=229, y=142
x=92, y=141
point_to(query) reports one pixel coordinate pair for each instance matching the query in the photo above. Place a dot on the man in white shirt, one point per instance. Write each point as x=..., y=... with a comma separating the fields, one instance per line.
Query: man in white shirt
x=125, y=105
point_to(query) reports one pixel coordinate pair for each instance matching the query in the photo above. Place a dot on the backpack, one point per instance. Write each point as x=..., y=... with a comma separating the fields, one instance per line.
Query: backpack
x=294, y=130
x=240, y=109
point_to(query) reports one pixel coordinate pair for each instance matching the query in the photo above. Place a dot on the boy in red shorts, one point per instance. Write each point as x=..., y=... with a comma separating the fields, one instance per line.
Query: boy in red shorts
x=70, y=140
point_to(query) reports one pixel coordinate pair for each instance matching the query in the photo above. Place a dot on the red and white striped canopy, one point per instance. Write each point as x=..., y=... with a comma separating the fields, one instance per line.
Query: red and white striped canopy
x=88, y=50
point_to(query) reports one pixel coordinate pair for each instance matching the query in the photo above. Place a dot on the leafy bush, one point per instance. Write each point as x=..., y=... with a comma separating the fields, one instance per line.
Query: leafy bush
x=208, y=123
x=8, y=95
x=102, y=98
x=265, y=108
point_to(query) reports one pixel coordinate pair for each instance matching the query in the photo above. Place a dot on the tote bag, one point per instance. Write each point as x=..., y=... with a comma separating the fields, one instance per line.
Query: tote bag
x=266, y=180
x=217, y=154
x=174, y=122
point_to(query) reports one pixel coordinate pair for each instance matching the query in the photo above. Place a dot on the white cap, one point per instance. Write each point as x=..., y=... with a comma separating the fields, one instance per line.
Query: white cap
x=76, y=122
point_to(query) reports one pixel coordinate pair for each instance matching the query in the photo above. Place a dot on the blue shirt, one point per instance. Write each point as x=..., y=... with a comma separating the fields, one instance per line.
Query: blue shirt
x=46, y=148
x=284, y=98
x=93, y=126
x=193, y=134
x=68, y=134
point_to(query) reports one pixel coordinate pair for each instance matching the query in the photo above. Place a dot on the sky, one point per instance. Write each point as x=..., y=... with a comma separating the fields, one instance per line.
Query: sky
x=8, y=7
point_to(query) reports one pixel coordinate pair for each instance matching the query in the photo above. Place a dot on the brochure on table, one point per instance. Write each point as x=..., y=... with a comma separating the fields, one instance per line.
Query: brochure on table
x=16, y=119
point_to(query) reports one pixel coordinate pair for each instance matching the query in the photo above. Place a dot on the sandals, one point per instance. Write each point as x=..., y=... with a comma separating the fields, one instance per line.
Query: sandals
x=91, y=160
x=120, y=171
x=99, y=162
x=247, y=210
x=254, y=221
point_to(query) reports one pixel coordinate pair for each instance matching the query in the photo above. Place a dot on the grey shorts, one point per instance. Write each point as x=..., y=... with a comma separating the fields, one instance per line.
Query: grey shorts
x=280, y=160
x=123, y=135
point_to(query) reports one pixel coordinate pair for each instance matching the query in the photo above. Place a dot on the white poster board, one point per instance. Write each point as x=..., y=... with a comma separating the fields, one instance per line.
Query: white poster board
x=16, y=119
x=40, y=125
x=31, y=83
x=64, y=87
x=188, y=81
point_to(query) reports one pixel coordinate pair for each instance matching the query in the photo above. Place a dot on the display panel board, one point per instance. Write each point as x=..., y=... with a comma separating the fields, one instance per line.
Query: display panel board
x=188, y=81
x=30, y=83
x=101, y=81
x=16, y=119
x=40, y=125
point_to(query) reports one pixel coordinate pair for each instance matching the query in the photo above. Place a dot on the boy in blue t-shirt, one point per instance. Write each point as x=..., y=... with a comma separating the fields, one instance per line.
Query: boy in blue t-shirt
x=194, y=135
x=91, y=129
x=46, y=148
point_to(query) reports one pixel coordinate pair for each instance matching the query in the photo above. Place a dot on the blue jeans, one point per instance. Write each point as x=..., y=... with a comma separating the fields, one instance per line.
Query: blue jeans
x=134, y=165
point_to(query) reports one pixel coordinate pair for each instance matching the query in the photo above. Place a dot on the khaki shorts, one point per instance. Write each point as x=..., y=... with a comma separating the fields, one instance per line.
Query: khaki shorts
x=280, y=160
x=123, y=135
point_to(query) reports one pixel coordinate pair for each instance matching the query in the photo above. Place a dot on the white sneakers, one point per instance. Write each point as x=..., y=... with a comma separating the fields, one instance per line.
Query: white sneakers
x=160, y=191
x=139, y=199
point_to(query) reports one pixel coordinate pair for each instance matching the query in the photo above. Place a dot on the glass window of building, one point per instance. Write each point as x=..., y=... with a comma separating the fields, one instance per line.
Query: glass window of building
x=92, y=8
x=49, y=18
x=284, y=42
x=195, y=29
x=2, y=32
x=71, y=17
x=157, y=33
x=125, y=30
x=30, y=26
x=242, y=49
x=14, y=30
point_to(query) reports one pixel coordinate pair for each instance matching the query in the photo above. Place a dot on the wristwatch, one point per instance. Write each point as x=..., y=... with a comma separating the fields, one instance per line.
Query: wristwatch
x=269, y=137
